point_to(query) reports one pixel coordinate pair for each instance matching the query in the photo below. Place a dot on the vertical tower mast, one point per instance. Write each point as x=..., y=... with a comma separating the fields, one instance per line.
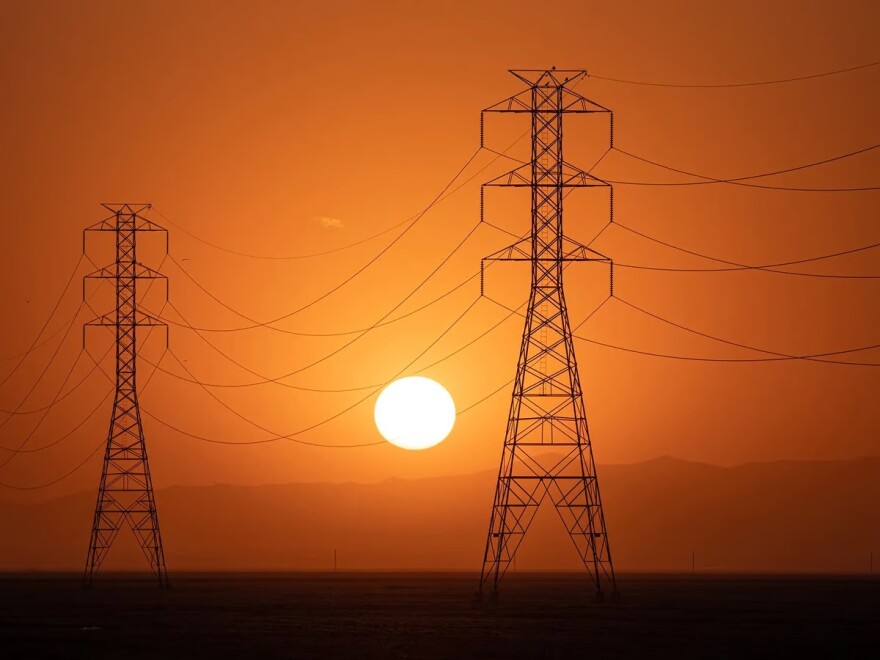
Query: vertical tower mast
x=125, y=494
x=547, y=450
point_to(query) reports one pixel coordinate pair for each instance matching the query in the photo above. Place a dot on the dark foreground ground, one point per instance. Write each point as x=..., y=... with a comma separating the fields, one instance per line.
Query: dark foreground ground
x=383, y=615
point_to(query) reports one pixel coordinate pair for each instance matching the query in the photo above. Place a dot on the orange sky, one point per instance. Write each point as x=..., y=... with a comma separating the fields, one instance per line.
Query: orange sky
x=246, y=123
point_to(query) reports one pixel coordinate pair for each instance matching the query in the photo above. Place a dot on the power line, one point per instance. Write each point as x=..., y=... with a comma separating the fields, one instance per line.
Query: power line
x=780, y=357
x=57, y=480
x=589, y=316
x=266, y=380
x=387, y=314
x=42, y=418
x=268, y=326
x=279, y=380
x=258, y=324
x=60, y=398
x=459, y=412
x=470, y=343
x=341, y=333
x=79, y=465
x=346, y=345
x=710, y=180
x=350, y=245
x=66, y=435
x=485, y=398
x=742, y=84
x=375, y=258
x=157, y=367
x=357, y=272
x=743, y=180
x=125, y=255
x=770, y=268
x=737, y=266
x=350, y=278
x=282, y=257
x=412, y=219
x=359, y=332
x=293, y=436
x=814, y=357
x=43, y=372
x=34, y=344
x=42, y=342
x=688, y=358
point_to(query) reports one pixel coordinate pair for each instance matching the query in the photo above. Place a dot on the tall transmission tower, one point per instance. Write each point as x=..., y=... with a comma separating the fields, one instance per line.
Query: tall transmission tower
x=547, y=450
x=125, y=495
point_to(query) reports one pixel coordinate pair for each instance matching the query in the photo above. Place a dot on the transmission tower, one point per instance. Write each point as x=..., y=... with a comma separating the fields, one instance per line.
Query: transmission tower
x=547, y=450
x=125, y=495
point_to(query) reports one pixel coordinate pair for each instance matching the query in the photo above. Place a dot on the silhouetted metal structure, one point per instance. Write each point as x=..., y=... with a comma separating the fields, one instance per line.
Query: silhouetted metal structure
x=547, y=451
x=125, y=495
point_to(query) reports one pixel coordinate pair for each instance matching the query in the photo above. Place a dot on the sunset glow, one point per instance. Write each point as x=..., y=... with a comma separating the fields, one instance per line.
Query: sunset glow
x=415, y=413
x=439, y=329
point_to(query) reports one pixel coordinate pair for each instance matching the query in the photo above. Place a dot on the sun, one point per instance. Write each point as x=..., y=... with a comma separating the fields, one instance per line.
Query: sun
x=414, y=413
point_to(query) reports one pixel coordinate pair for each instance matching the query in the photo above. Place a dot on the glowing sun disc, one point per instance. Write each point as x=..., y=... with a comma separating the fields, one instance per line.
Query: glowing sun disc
x=414, y=413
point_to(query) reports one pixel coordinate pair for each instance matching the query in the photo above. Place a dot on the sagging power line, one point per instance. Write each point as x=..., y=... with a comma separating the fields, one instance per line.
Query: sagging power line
x=42, y=337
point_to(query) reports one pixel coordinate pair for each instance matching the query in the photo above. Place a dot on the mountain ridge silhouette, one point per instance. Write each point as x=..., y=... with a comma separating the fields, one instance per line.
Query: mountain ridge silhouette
x=777, y=516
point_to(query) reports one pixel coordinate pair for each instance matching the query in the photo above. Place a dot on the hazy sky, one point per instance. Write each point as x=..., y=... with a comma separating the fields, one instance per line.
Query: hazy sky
x=288, y=128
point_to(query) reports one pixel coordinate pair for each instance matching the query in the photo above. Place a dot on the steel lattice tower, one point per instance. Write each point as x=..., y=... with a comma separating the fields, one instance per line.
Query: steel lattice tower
x=125, y=495
x=547, y=450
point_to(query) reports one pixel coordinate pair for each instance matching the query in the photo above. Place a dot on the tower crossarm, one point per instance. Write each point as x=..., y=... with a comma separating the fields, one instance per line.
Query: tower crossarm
x=141, y=272
x=571, y=250
x=136, y=222
x=568, y=175
x=570, y=101
x=111, y=272
x=142, y=319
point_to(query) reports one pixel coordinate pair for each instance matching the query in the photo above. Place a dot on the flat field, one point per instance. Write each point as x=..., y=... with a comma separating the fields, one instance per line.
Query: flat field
x=434, y=615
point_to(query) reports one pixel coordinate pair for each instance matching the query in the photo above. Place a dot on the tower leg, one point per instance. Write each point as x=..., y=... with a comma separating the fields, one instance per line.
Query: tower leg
x=125, y=497
x=579, y=505
x=104, y=530
x=516, y=502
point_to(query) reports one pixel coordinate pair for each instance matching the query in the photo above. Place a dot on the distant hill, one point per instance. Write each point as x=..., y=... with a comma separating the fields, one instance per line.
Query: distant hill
x=779, y=516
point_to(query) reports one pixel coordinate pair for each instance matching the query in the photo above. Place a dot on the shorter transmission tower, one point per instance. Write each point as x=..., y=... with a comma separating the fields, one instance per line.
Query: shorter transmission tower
x=125, y=495
x=547, y=450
